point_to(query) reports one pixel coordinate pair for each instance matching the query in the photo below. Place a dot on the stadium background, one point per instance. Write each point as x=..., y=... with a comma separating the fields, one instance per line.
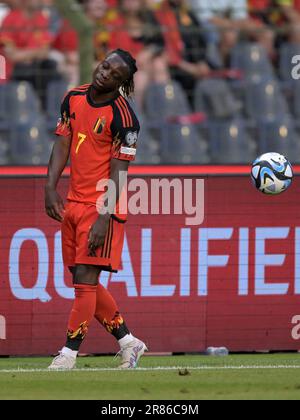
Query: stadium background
x=209, y=93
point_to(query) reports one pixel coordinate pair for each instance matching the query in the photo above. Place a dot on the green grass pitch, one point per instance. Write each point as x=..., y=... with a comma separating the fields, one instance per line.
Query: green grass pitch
x=187, y=377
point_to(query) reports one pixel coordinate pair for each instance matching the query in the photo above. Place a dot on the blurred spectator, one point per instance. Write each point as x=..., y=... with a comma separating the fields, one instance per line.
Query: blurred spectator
x=225, y=20
x=65, y=50
x=282, y=15
x=137, y=30
x=65, y=45
x=103, y=18
x=186, y=46
x=26, y=42
x=54, y=18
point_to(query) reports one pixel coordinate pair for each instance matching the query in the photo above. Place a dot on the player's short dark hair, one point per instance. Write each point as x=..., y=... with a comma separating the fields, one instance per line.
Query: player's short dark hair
x=128, y=86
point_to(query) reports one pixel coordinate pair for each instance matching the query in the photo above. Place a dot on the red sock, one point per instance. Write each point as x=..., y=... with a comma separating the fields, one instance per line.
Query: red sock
x=107, y=313
x=83, y=310
x=106, y=306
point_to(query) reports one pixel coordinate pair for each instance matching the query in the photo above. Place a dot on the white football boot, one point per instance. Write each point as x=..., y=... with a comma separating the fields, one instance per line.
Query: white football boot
x=63, y=362
x=131, y=353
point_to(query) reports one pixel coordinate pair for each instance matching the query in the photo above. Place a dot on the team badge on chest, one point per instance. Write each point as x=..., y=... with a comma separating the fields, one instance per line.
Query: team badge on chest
x=99, y=125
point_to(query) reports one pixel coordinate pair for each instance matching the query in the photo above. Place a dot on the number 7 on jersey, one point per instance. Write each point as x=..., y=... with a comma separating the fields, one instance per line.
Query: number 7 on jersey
x=81, y=139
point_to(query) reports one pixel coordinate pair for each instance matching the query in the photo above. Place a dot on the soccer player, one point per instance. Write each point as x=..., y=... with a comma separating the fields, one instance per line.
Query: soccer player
x=98, y=130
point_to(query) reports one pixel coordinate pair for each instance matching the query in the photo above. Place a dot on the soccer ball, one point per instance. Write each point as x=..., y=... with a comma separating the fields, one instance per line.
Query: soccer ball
x=272, y=173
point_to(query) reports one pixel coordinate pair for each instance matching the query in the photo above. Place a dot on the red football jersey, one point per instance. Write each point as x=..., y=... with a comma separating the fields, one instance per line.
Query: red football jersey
x=99, y=132
x=24, y=32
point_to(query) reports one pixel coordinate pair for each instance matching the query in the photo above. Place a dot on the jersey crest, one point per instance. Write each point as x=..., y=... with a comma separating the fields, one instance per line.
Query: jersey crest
x=99, y=125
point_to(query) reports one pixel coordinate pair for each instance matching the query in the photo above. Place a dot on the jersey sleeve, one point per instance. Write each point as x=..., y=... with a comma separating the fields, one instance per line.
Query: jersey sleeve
x=125, y=130
x=63, y=127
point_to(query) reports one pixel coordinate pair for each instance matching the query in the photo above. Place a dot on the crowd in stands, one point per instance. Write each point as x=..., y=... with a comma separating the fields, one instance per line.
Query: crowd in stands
x=174, y=41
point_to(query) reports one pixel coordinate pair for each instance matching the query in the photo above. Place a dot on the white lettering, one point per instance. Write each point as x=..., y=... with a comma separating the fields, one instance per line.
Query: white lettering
x=296, y=69
x=263, y=260
x=39, y=290
x=148, y=289
x=185, y=262
x=138, y=202
x=2, y=328
x=198, y=209
x=120, y=410
x=152, y=287
x=206, y=260
x=296, y=329
x=126, y=275
x=164, y=186
x=60, y=286
x=244, y=262
x=297, y=261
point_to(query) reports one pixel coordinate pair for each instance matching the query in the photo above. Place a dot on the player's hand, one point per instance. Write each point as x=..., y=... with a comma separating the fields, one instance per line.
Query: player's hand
x=54, y=204
x=97, y=235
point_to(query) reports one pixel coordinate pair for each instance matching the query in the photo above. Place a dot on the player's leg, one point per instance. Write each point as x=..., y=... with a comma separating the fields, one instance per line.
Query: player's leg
x=85, y=283
x=85, y=278
x=131, y=348
x=108, y=315
x=68, y=232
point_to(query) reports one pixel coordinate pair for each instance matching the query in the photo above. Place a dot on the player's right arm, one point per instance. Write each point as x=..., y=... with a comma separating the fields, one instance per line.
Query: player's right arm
x=60, y=154
x=59, y=157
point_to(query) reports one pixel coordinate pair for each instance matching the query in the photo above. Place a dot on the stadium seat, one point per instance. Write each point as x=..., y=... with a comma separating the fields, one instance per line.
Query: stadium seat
x=4, y=123
x=295, y=102
x=179, y=142
x=265, y=101
x=165, y=100
x=183, y=144
x=29, y=142
x=22, y=101
x=252, y=60
x=4, y=152
x=148, y=148
x=215, y=98
x=56, y=91
x=287, y=52
x=230, y=142
x=280, y=136
x=3, y=95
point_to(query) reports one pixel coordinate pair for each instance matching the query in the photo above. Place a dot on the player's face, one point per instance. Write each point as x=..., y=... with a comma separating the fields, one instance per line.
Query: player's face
x=110, y=74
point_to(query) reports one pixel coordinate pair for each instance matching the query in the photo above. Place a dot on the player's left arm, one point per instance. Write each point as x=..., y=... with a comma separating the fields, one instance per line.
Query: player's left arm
x=125, y=130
